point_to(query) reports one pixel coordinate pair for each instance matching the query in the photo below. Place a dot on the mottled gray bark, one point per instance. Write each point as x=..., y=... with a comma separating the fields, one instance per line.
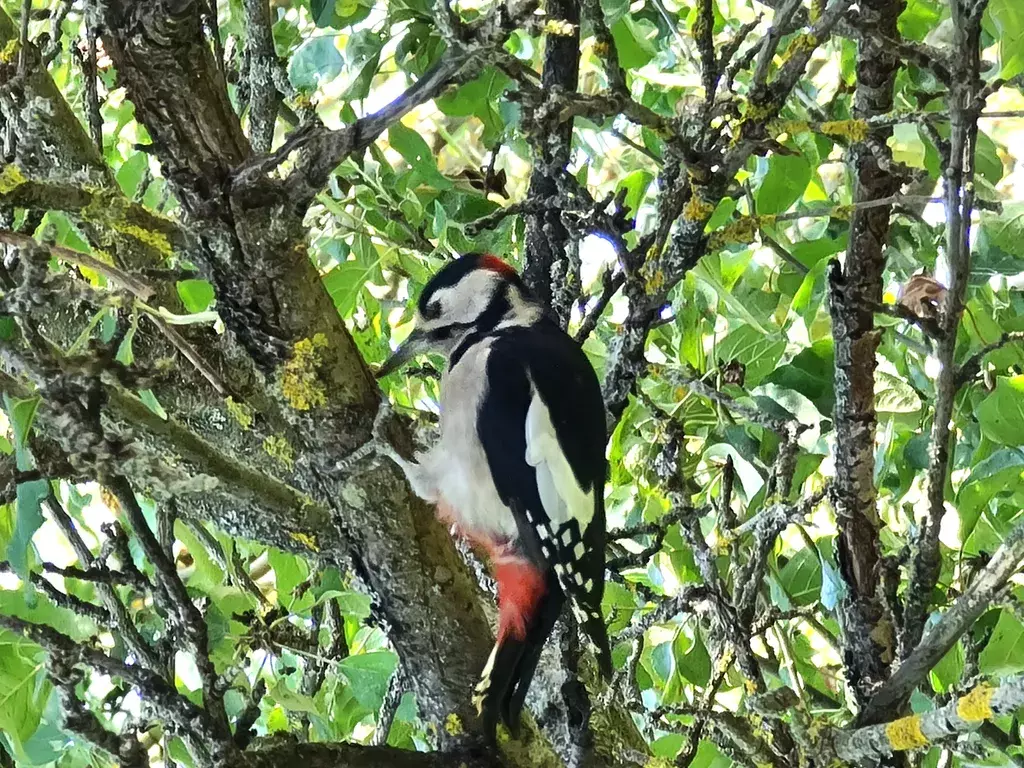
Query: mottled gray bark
x=551, y=268
x=854, y=290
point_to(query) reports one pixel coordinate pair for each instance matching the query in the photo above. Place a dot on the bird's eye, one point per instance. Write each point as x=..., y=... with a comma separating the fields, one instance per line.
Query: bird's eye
x=432, y=311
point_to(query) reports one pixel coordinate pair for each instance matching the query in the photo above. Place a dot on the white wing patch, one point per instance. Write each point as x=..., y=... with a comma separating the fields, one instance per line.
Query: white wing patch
x=562, y=496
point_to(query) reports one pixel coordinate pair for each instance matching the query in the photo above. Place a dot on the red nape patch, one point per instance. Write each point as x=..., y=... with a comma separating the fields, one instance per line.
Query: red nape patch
x=496, y=264
x=520, y=589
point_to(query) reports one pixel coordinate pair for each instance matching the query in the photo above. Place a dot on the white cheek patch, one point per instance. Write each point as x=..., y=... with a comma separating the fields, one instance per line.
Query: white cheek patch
x=465, y=301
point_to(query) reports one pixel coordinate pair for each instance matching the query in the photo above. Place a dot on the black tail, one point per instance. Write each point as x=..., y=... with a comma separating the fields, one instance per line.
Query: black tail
x=506, y=679
x=593, y=626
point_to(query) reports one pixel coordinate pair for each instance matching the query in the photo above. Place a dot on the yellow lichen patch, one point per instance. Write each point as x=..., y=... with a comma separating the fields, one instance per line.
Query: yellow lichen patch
x=700, y=26
x=601, y=49
x=791, y=127
x=240, y=412
x=751, y=686
x=853, y=130
x=757, y=112
x=658, y=762
x=156, y=240
x=741, y=231
x=9, y=51
x=11, y=178
x=108, y=498
x=906, y=733
x=976, y=705
x=113, y=210
x=453, y=725
x=842, y=212
x=559, y=28
x=698, y=209
x=278, y=447
x=655, y=279
x=804, y=43
x=300, y=384
x=306, y=540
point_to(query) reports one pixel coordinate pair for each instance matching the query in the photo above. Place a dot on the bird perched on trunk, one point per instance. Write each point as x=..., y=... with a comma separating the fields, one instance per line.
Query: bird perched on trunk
x=519, y=467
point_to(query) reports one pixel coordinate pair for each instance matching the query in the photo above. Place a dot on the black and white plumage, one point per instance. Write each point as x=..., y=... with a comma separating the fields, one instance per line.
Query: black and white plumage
x=519, y=467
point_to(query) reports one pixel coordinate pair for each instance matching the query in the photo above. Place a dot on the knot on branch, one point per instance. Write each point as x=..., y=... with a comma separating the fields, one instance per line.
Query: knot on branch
x=36, y=288
x=74, y=402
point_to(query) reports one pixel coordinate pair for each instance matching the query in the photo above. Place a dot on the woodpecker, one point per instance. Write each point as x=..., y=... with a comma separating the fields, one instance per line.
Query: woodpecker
x=519, y=467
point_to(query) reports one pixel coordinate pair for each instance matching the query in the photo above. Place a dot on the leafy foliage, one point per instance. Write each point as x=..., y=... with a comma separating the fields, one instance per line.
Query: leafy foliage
x=757, y=302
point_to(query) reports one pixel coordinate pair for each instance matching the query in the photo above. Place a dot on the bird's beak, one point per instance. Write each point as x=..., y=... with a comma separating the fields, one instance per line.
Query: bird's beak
x=407, y=350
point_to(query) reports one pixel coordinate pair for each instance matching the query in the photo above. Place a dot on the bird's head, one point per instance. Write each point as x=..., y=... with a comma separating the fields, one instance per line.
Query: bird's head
x=473, y=294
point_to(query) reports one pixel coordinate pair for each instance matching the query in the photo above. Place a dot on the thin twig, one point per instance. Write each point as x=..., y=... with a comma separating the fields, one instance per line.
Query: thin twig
x=90, y=74
x=114, y=274
x=972, y=365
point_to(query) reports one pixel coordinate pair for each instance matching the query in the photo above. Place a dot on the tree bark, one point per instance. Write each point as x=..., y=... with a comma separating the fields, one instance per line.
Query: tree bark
x=551, y=272
x=854, y=291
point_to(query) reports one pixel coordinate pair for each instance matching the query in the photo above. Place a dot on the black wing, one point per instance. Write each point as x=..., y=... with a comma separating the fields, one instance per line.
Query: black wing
x=544, y=358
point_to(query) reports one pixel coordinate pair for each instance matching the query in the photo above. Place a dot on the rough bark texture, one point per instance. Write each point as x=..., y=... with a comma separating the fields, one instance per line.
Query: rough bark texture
x=248, y=240
x=358, y=756
x=854, y=291
x=310, y=401
x=547, y=239
x=255, y=255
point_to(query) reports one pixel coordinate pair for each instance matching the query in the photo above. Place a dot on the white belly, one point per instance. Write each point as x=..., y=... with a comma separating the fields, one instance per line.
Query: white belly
x=457, y=463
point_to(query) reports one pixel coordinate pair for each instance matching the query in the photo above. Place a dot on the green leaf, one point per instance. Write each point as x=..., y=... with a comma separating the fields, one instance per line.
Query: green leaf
x=147, y=397
x=760, y=353
x=987, y=159
x=695, y=664
x=24, y=689
x=907, y=145
x=783, y=183
x=196, y=295
x=362, y=59
x=29, y=519
x=130, y=174
x=353, y=604
x=1007, y=17
x=636, y=185
x=801, y=577
x=316, y=61
x=1005, y=230
x=22, y=414
x=368, y=675
x=292, y=701
x=1004, y=652
x=999, y=474
x=345, y=282
x=207, y=575
x=703, y=273
x=919, y=18
x=322, y=11
x=410, y=145
x=289, y=572
x=633, y=39
x=481, y=98
x=29, y=496
x=894, y=395
x=663, y=661
x=667, y=746
x=1001, y=414
x=708, y=756
x=947, y=672
x=125, y=353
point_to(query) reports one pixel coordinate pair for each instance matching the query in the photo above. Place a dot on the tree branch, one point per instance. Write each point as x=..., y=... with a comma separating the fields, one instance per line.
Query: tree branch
x=975, y=600
x=959, y=199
